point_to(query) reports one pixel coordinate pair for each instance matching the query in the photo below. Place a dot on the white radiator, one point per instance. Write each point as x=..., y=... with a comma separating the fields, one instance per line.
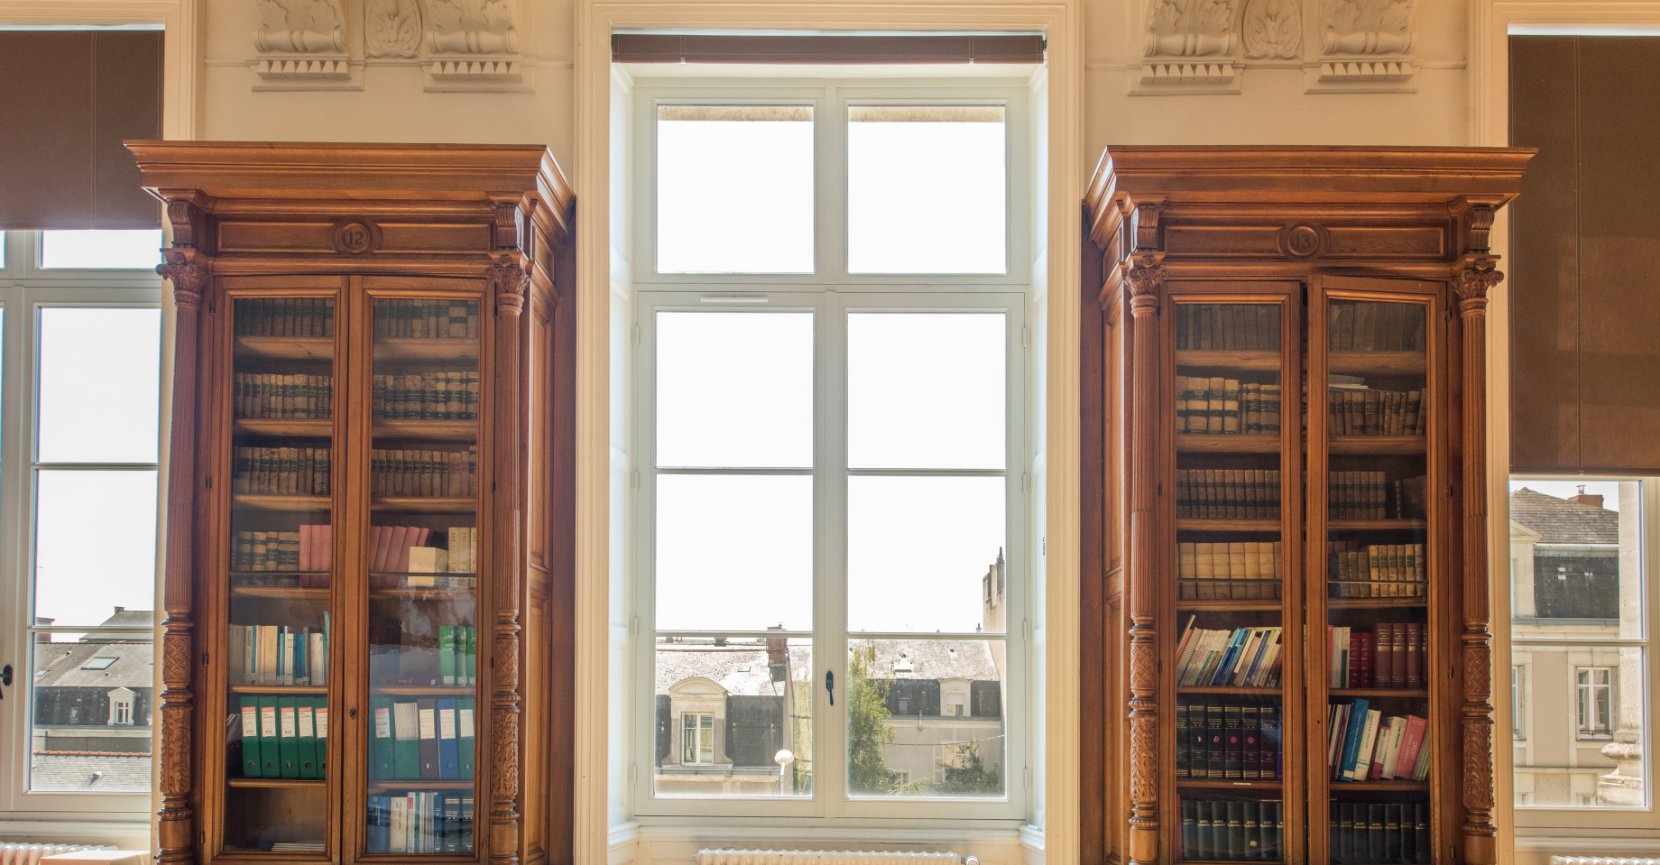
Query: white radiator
x=829, y=857
x=1602, y=860
x=26, y=853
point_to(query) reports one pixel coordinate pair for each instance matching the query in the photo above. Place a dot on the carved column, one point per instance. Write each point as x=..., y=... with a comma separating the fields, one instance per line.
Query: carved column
x=1143, y=275
x=176, y=819
x=510, y=286
x=1472, y=284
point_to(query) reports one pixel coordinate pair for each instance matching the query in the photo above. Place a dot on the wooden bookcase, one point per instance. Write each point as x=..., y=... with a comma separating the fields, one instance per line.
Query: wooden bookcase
x=1285, y=398
x=370, y=504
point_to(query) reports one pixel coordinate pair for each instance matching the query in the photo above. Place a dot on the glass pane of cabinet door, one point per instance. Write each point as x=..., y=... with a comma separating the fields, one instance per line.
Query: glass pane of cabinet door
x=279, y=565
x=1234, y=622
x=1372, y=416
x=421, y=546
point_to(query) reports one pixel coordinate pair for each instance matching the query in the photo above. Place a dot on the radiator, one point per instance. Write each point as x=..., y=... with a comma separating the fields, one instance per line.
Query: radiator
x=827, y=857
x=1602, y=860
x=27, y=853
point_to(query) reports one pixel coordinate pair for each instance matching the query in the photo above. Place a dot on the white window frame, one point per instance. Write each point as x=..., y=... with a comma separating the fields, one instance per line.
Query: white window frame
x=831, y=292
x=1518, y=702
x=697, y=738
x=25, y=290
x=1586, y=689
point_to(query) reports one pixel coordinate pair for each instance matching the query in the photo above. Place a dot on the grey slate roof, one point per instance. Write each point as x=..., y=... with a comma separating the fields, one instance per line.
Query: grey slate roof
x=109, y=772
x=58, y=665
x=934, y=659
x=1559, y=521
x=742, y=668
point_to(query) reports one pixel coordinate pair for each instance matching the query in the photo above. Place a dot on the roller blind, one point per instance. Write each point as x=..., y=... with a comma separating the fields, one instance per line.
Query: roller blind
x=826, y=49
x=1585, y=256
x=68, y=98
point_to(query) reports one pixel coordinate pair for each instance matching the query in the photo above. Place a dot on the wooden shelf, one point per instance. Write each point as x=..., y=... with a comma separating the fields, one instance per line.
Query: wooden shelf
x=286, y=690
x=422, y=690
x=1224, y=443
x=1379, y=445
x=1236, y=360
x=381, y=786
x=1378, y=786
x=285, y=427
x=264, y=502
x=286, y=347
x=418, y=505
x=282, y=593
x=1373, y=603
x=425, y=349
x=1376, y=362
x=1227, y=784
x=420, y=593
x=1193, y=524
x=427, y=430
x=1380, y=693
x=1375, y=525
x=1227, y=690
x=274, y=783
x=1221, y=606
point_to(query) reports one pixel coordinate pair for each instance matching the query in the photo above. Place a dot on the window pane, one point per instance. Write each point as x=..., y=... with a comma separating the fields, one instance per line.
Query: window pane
x=93, y=711
x=925, y=718
x=95, y=547
x=734, y=189
x=926, y=390
x=735, y=389
x=926, y=189
x=734, y=553
x=918, y=553
x=733, y=717
x=101, y=250
x=1592, y=754
x=99, y=384
x=1576, y=560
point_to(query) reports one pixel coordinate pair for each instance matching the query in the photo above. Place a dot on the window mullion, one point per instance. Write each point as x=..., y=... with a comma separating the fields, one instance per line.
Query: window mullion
x=830, y=493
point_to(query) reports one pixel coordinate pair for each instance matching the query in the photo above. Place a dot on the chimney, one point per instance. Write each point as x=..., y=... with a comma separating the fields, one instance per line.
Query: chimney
x=1594, y=501
x=776, y=646
x=44, y=636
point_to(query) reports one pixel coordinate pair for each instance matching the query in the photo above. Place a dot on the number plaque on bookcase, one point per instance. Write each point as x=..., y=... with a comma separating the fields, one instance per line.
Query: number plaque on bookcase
x=1292, y=607
x=364, y=497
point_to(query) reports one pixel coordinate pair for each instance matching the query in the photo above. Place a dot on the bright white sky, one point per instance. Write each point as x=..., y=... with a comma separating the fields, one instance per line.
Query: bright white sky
x=1609, y=490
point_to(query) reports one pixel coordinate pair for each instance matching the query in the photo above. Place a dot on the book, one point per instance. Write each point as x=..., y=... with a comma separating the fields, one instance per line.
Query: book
x=248, y=712
x=449, y=765
x=270, y=755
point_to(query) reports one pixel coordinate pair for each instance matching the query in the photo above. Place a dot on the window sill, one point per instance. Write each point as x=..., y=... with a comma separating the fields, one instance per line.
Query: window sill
x=126, y=831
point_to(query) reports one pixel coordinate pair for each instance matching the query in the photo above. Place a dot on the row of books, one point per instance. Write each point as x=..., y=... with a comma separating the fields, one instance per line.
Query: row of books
x=1245, y=830
x=457, y=655
x=395, y=550
x=449, y=395
x=1363, y=745
x=284, y=737
x=1233, y=743
x=1360, y=570
x=1370, y=495
x=1228, y=494
x=424, y=473
x=1220, y=405
x=420, y=822
x=305, y=317
x=307, y=550
x=1366, y=412
x=279, y=654
x=1231, y=570
x=1239, y=658
x=1370, y=833
x=427, y=319
x=429, y=738
x=290, y=471
x=1391, y=656
x=1375, y=326
x=287, y=396
x=1228, y=327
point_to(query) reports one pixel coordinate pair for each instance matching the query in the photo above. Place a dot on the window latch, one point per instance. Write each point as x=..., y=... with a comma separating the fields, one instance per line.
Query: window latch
x=829, y=685
x=5, y=679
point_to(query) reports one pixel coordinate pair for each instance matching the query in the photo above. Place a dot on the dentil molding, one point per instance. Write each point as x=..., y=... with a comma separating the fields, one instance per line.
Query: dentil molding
x=471, y=44
x=1190, y=46
x=1365, y=45
x=301, y=42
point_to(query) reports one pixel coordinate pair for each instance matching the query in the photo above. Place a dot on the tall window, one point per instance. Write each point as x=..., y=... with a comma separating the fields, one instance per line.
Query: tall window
x=1580, y=553
x=81, y=394
x=831, y=509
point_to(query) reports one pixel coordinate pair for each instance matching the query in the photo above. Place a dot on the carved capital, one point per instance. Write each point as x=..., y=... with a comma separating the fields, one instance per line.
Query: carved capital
x=1146, y=228
x=1144, y=277
x=1472, y=283
x=1272, y=29
x=1190, y=28
x=510, y=284
x=391, y=28
x=189, y=277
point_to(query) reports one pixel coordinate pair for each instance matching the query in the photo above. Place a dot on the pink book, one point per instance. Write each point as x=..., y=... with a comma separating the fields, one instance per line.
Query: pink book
x=381, y=537
x=1411, y=741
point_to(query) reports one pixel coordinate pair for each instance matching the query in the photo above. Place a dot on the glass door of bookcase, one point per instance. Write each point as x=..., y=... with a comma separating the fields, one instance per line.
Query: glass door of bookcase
x=283, y=430
x=1373, y=572
x=420, y=555
x=1234, y=626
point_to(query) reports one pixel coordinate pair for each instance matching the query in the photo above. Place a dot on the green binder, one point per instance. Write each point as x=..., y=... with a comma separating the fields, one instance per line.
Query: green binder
x=406, y=740
x=249, y=711
x=306, y=728
x=320, y=711
x=464, y=736
x=270, y=761
x=447, y=655
x=469, y=656
x=380, y=742
x=288, y=732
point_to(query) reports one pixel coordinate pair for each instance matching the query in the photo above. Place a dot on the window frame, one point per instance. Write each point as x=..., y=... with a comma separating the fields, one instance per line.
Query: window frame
x=28, y=289
x=1586, y=695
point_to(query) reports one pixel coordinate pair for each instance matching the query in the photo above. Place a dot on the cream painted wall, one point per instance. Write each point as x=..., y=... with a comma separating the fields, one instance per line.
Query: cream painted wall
x=1272, y=106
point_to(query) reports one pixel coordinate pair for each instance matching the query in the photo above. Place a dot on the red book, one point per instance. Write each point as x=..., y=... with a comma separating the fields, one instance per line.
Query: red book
x=1411, y=742
x=1414, y=655
x=380, y=543
x=1362, y=659
x=1385, y=669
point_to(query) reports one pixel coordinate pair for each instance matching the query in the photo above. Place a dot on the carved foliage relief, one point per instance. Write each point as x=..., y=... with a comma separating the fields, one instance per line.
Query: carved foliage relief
x=471, y=27
x=1190, y=28
x=392, y=28
x=1272, y=29
x=300, y=26
x=1368, y=27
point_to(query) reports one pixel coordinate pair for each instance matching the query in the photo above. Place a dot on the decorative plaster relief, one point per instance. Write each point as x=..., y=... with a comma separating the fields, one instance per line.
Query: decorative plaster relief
x=301, y=41
x=391, y=28
x=1190, y=46
x=1366, y=45
x=473, y=44
x=1272, y=29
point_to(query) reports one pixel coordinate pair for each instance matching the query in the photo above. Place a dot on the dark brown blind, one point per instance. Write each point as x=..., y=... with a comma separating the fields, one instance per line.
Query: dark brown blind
x=68, y=99
x=907, y=49
x=1585, y=256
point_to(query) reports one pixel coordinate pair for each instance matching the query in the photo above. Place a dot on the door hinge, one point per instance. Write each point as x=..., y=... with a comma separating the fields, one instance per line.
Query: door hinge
x=204, y=658
x=207, y=482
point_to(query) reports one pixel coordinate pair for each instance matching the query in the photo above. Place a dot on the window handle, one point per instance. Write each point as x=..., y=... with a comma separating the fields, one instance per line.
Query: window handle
x=5, y=679
x=829, y=685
